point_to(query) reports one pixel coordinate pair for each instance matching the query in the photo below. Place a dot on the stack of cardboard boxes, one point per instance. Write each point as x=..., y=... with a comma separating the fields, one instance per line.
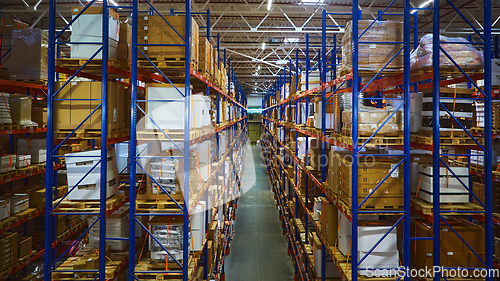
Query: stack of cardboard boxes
x=453, y=251
x=167, y=30
x=371, y=173
x=373, y=56
x=7, y=25
x=9, y=247
x=117, y=226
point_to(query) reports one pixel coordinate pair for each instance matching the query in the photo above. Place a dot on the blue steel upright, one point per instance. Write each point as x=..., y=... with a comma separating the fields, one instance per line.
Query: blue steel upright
x=354, y=173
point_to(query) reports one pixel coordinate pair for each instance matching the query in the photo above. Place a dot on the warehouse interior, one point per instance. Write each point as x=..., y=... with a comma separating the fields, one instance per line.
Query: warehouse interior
x=249, y=140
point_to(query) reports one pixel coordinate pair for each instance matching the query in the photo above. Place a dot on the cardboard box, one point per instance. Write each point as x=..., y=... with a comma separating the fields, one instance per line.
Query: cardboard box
x=30, y=54
x=70, y=113
x=125, y=42
x=329, y=221
x=39, y=116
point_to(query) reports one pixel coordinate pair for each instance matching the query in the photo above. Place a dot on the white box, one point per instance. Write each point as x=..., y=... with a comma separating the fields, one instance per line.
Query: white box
x=170, y=115
x=330, y=268
x=205, y=172
x=88, y=28
x=92, y=193
x=368, y=236
x=86, y=51
x=378, y=260
x=23, y=161
x=445, y=198
x=495, y=65
x=204, y=151
x=19, y=202
x=4, y=209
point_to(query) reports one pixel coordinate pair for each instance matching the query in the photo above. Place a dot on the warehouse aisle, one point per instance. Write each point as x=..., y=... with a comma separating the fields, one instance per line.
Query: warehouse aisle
x=259, y=250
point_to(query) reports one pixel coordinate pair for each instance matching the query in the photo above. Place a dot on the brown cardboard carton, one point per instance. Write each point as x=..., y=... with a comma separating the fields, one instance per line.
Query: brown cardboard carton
x=20, y=109
x=329, y=223
x=39, y=116
x=125, y=43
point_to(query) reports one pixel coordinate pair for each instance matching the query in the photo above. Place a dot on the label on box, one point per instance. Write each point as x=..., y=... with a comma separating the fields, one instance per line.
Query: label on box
x=373, y=46
x=114, y=115
x=394, y=174
x=449, y=253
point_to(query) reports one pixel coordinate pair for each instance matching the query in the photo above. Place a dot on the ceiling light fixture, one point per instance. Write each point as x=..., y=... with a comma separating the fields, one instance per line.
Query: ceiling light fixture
x=269, y=3
x=423, y=5
x=263, y=45
x=291, y=40
x=312, y=2
x=258, y=67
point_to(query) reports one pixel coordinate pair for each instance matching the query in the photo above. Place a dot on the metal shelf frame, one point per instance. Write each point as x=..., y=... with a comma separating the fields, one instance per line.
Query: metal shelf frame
x=276, y=127
x=137, y=75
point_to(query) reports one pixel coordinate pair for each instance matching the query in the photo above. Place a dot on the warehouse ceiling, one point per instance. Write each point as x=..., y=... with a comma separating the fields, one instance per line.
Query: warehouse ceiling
x=261, y=38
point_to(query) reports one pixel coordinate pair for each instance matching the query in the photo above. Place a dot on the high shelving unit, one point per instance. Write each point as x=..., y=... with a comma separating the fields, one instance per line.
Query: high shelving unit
x=225, y=179
x=375, y=86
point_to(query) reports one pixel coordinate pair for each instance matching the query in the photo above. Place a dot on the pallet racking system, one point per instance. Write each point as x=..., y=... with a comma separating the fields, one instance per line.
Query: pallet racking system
x=103, y=70
x=279, y=130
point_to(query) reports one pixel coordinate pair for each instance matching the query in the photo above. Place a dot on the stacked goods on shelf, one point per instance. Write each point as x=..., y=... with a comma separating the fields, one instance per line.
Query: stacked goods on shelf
x=314, y=80
x=371, y=172
x=198, y=228
x=458, y=101
x=479, y=192
x=25, y=246
x=334, y=162
x=332, y=115
x=88, y=28
x=167, y=30
x=29, y=52
x=384, y=255
x=125, y=42
x=372, y=56
x=459, y=49
x=451, y=190
x=302, y=118
x=9, y=246
x=295, y=85
x=117, y=226
x=170, y=115
x=316, y=156
x=18, y=202
x=205, y=62
x=36, y=148
x=5, y=117
x=80, y=170
x=415, y=112
x=204, y=152
x=20, y=108
x=495, y=72
x=168, y=231
x=453, y=251
x=7, y=25
x=8, y=163
x=122, y=152
x=4, y=209
x=39, y=116
x=370, y=119
x=479, y=115
x=77, y=100
x=23, y=161
x=37, y=196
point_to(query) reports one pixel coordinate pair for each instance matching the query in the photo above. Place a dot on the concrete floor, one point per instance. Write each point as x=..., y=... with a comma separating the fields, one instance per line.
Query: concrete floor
x=258, y=250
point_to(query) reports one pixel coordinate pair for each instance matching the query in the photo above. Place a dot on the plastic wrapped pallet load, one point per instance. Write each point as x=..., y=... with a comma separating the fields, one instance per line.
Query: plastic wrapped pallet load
x=30, y=52
x=370, y=119
x=169, y=232
x=459, y=49
x=450, y=188
x=372, y=56
x=117, y=226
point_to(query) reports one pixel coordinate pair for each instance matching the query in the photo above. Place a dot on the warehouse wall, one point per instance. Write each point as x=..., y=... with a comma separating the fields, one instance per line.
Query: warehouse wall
x=254, y=101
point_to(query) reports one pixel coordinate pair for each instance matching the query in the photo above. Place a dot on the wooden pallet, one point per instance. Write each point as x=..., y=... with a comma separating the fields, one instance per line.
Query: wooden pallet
x=5, y=223
x=9, y=126
x=113, y=266
x=426, y=208
x=346, y=207
x=90, y=134
x=447, y=70
x=25, y=214
x=147, y=265
x=167, y=64
x=455, y=141
x=481, y=131
x=95, y=63
x=174, y=135
x=87, y=206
